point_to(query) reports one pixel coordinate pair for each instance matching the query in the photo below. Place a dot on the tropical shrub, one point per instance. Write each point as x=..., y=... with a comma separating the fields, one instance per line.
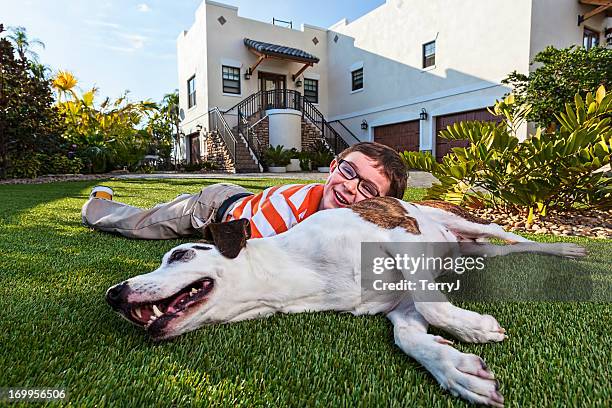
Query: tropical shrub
x=547, y=170
x=277, y=156
x=107, y=133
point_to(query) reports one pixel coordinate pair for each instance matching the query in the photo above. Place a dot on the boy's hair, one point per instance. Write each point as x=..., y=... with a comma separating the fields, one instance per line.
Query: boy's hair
x=393, y=166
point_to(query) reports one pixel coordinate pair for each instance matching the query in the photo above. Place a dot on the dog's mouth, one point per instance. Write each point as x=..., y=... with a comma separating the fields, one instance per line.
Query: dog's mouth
x=154, y=316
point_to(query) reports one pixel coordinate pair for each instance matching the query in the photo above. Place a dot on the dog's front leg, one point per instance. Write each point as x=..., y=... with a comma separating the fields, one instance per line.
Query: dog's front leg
x=464, y=375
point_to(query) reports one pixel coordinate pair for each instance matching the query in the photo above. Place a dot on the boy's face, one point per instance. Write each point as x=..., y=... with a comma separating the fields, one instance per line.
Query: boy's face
x=340, y=192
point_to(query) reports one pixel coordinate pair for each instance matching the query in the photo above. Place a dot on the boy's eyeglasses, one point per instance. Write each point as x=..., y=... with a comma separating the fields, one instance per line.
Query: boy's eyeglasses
x=365, y=187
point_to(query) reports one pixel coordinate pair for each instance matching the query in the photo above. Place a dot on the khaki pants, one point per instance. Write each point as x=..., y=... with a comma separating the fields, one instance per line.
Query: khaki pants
x=182, y=217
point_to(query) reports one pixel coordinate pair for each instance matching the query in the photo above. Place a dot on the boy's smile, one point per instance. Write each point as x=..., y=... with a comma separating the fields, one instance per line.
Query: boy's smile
x=341, y=192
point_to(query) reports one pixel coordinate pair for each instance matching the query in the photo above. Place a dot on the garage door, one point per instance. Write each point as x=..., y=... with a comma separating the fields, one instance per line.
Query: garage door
x=444, y=146
x=400, y=136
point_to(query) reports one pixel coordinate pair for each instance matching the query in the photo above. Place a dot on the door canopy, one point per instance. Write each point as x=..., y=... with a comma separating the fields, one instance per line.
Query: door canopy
x=265, y=50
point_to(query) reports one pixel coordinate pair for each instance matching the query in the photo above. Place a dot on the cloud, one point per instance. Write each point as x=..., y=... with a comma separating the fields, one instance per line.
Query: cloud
x=143, y=8
x=100, y=23
x=136, y=41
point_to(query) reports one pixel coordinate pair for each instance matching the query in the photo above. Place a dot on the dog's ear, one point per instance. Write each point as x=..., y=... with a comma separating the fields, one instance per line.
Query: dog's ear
x=229, y=237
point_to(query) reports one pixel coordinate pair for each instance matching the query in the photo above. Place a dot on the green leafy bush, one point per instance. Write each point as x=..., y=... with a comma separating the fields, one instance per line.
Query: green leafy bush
x=96, y=159
x=59, y=164
x=547, y=170
x=24, y=166
x=305, y=160
x=321, y=155
x=199, y=166
x=560, y=74
x=277, y=156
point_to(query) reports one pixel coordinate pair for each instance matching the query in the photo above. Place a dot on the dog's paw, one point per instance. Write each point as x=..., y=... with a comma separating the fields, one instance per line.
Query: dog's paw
x=467, y=376
x=568, y=250
x=473, y=327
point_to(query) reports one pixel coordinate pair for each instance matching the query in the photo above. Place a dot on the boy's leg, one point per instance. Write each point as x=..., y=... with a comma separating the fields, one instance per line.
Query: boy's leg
x=178, y=218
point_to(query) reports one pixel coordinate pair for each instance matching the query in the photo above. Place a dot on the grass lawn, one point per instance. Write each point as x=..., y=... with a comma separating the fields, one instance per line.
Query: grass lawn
x=57, y=331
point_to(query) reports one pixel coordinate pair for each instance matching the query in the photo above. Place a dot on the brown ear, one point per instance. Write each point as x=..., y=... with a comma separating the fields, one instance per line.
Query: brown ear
x=229, y=237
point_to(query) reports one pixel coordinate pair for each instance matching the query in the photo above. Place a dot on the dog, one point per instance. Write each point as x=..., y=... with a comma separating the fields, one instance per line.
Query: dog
x=315, y=266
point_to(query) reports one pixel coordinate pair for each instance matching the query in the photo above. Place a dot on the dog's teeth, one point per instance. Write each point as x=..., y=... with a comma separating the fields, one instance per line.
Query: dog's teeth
x=138, y=313
x=157, y=311
x=194, y=291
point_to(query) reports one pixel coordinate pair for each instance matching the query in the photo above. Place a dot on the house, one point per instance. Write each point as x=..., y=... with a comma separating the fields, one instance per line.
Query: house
x=396, y=75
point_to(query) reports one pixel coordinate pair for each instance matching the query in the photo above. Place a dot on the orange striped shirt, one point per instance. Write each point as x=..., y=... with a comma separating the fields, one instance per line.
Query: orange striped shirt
x=278, y=208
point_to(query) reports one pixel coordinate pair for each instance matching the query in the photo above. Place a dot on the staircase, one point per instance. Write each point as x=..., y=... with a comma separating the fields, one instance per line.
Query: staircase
x=242, y=142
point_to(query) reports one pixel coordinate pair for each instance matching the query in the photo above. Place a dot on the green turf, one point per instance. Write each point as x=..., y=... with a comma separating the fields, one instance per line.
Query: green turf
x=57, y=331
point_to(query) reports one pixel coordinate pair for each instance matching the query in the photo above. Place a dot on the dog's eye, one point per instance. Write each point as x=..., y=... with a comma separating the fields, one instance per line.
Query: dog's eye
x=180, y=255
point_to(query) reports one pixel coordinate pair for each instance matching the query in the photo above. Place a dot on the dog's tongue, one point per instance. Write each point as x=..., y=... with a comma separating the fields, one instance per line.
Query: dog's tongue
x=146, y=313
x=177, y=300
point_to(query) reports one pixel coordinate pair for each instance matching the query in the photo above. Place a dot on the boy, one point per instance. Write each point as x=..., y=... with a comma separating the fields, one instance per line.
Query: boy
x=362, y=171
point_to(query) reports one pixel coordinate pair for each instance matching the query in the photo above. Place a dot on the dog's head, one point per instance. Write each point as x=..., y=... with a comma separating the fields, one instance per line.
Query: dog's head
x=189, y=287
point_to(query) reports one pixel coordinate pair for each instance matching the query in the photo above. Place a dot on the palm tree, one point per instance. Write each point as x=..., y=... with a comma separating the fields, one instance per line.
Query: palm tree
x=23, y=44
x=39, y=70
x=171, y=108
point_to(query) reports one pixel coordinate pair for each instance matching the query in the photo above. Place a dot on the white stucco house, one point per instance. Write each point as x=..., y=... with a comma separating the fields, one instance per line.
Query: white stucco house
x=396, y=75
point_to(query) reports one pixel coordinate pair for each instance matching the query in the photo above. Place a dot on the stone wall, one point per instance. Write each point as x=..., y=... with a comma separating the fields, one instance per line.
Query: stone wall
x=262, y=131
x=310, y=133
x=217, y=153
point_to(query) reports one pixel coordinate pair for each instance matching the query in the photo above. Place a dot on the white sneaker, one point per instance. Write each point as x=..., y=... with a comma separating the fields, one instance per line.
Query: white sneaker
x=102, y=192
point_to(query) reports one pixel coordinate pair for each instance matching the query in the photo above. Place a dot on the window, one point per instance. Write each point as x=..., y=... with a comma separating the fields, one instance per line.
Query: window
x=191, y=95
x=311, y=90
x=357, y=79
x=231, y=80
x=429, y=54
x=590, y=39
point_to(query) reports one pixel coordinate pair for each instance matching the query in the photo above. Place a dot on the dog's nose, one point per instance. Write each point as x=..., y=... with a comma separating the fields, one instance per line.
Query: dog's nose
x=116, y=294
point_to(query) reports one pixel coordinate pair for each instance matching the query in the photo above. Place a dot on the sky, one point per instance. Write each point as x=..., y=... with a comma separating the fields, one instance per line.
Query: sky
x=119, y=45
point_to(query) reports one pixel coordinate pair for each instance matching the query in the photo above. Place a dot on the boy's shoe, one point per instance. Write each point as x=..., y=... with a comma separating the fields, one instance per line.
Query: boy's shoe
x=102, y=192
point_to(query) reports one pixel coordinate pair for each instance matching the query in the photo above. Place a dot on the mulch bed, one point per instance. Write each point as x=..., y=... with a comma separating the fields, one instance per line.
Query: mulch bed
x=56, y=178
x=591, y=223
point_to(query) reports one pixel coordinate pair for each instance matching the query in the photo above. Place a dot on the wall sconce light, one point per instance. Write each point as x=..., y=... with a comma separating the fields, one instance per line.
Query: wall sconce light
x=423, y=114
x=199, y=128
x=247, y=74
x=298, y=83
x=364, y=124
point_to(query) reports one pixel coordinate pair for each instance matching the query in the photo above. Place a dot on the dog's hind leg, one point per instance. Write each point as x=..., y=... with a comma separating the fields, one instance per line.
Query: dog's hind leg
x=463, y=375
x=462, y=324
x=564, y=249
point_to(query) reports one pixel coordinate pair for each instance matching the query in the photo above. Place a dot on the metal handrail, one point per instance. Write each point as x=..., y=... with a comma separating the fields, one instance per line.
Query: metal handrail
x=256, y=104
x=347, y=129
x=333, y=138
x=214, y=118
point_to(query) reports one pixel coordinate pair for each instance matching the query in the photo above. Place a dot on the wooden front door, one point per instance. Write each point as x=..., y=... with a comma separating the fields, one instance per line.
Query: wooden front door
x=272, y=82
x=400, y=136
x=443, y=146
x=194, y=148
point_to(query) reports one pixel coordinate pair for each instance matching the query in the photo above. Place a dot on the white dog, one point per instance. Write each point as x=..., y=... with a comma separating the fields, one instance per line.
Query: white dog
x=315, y=266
